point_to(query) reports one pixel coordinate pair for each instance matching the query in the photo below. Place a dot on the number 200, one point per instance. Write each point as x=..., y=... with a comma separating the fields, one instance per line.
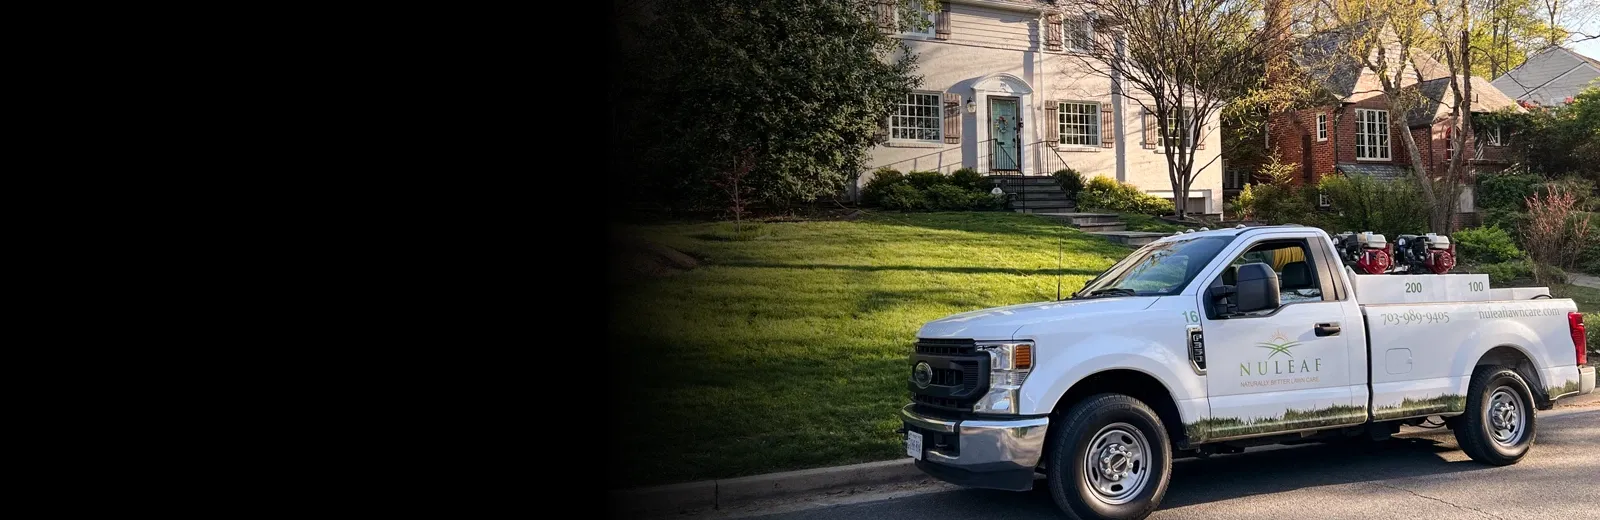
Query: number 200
x=1413, y=287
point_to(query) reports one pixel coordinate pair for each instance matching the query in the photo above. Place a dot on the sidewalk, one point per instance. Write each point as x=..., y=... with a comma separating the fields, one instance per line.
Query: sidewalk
x=1584, y=280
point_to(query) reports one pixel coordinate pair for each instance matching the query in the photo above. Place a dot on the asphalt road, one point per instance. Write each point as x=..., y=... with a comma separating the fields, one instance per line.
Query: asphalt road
x=1421, y=473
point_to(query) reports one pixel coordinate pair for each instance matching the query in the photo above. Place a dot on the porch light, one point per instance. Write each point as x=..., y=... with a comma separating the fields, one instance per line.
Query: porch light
x=972, y=106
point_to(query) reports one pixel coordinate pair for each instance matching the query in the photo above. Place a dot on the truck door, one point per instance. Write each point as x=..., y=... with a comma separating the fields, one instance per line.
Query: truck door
x=1284, y=369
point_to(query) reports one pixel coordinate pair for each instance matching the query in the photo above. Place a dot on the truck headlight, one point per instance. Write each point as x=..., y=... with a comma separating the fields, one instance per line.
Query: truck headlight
x=1009, y=364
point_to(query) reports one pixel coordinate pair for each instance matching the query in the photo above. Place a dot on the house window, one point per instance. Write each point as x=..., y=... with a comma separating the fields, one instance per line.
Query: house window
x=1080, y=123
x=918, y=118
x=1176, y=128
x=1322, y=200
x=1077, y=33
x=1322, y=127
x=1372, y=135
x=923, y=25
x=1495, y=135
x=1233, y=179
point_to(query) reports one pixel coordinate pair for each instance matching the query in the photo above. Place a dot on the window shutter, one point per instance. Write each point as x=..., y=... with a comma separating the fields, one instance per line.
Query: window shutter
x=1199, y=137
x=886, y=15
x=952, y=118
x=1149, y=130
x=1108, y=131
x=942, y=22
x=1102, y=39
x=1052, y=123
x=1052, y=31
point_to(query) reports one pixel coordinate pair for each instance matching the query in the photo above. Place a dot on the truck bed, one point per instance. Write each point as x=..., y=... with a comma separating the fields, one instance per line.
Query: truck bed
x=1423, y=354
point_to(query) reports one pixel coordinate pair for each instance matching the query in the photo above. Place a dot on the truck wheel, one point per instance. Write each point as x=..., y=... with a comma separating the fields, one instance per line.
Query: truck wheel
x=1111, y=459
x=1498, y=426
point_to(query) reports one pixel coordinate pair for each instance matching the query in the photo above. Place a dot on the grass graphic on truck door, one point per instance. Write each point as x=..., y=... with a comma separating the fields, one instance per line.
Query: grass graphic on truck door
x=1223, y=427
x=1408, y=407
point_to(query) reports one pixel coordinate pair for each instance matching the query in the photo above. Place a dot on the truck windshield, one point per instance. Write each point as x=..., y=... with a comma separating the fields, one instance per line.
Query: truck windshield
x=1157, y=269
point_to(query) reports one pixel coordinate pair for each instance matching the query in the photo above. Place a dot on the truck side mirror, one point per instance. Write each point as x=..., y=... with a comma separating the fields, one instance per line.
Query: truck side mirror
x=1256, y=288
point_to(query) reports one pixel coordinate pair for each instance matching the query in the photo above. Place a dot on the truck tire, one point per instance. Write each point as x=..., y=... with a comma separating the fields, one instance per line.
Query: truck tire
x=1110, y=460
x=1498, y=427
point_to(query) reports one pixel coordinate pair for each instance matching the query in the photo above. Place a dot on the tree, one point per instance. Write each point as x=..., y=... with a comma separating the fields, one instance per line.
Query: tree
x=801, y=85
x=1504, y=33
x=1180, y=60
x=1397, y=41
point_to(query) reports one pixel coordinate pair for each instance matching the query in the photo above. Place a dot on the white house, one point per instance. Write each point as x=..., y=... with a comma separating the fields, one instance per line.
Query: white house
x=1004, y=92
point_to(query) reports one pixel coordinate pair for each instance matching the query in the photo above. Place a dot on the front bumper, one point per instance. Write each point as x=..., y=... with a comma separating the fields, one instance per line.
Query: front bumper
x=1585, y=380
x=985, y=453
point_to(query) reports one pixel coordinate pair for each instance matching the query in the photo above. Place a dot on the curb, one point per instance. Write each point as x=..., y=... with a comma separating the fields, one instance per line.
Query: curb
x=725, y=493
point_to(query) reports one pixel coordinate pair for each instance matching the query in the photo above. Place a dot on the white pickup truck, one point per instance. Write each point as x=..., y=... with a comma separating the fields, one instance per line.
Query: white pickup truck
x=1213, y=341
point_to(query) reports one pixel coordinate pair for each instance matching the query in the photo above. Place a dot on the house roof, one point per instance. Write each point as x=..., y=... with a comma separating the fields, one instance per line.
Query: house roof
x=1436, y=100
x=1324, y=56
x=1549, y=76
x=1387, y=172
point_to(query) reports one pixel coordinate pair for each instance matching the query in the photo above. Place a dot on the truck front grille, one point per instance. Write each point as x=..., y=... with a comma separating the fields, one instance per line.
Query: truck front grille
x=960, y=375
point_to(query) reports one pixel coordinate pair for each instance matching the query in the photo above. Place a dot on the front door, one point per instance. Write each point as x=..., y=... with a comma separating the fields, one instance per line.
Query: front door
x=1005, y=122
x=1283, y=369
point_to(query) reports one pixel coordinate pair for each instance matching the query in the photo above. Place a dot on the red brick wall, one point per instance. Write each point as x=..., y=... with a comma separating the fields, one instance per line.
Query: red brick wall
x=1290, y=131
x=1435, y=145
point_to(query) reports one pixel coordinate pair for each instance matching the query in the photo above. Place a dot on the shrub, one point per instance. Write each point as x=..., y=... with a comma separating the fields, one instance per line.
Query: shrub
x=1278, y=200
x=882, y=180
x=984, y=201
x=1556, y=233
x=970, y=179
x=1591, y=264
x=903, y=197
x=1505, y=191
x=948, y=197
x=1107, y=194
x=1591, y=323
x=1070, y=180
x=1274, y=204
x=1547, y=274
x=1486, y=245
x=1362, y=203
x=926, y=179
x=1505, y=272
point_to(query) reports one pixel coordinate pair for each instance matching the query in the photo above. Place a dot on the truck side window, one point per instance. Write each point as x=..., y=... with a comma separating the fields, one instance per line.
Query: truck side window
x=1291, y=259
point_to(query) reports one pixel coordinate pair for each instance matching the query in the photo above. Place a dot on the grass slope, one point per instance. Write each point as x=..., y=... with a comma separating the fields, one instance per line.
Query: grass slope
x=787, y=351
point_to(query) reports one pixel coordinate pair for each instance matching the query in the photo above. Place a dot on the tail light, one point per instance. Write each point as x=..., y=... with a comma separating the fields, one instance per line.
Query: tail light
x=1580, y=337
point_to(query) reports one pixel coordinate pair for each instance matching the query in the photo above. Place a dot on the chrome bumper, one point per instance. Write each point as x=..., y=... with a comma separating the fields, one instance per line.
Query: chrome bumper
x=1585, y=380
x=1009, y=447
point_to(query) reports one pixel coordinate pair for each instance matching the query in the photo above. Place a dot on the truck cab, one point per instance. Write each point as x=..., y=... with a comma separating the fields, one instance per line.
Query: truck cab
x=1214, y=341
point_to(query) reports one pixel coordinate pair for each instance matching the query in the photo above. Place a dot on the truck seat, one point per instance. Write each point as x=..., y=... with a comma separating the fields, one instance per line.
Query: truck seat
x=1296, y=275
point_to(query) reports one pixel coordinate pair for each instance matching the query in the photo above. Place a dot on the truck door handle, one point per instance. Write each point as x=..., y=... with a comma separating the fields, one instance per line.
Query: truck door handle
x=1327, y=329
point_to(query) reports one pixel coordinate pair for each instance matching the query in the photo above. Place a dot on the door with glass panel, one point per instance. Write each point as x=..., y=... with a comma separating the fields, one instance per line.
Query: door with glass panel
x=1005, y=122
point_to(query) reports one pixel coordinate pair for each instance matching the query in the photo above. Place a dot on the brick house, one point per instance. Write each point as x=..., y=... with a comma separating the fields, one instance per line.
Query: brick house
x=1351, y=134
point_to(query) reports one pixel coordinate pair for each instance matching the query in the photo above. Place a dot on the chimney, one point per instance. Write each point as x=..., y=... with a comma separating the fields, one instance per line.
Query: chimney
x=1277, y=25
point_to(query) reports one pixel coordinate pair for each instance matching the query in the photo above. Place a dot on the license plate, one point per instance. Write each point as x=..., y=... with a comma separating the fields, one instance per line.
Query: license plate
x=914, y=445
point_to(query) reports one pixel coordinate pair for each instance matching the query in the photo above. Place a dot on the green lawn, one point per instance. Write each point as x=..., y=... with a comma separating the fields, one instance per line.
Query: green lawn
x=787, y=351
x=1140, y=222
x=1588, y=299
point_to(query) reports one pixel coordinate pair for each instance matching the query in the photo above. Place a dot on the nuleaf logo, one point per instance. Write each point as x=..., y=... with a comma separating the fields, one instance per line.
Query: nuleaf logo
x=1278, y=344
x=1274, y=366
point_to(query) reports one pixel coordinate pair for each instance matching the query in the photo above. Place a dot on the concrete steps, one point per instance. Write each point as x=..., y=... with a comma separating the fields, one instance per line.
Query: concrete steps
x=1130, y=238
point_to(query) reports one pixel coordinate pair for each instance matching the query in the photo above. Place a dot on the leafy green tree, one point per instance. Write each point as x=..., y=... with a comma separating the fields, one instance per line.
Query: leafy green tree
x=1561, y=140
x=793, y=89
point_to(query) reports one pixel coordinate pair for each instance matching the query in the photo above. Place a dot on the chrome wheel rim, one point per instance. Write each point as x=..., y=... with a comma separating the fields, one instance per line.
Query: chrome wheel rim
x=1504, y=417
x=1117, y=463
